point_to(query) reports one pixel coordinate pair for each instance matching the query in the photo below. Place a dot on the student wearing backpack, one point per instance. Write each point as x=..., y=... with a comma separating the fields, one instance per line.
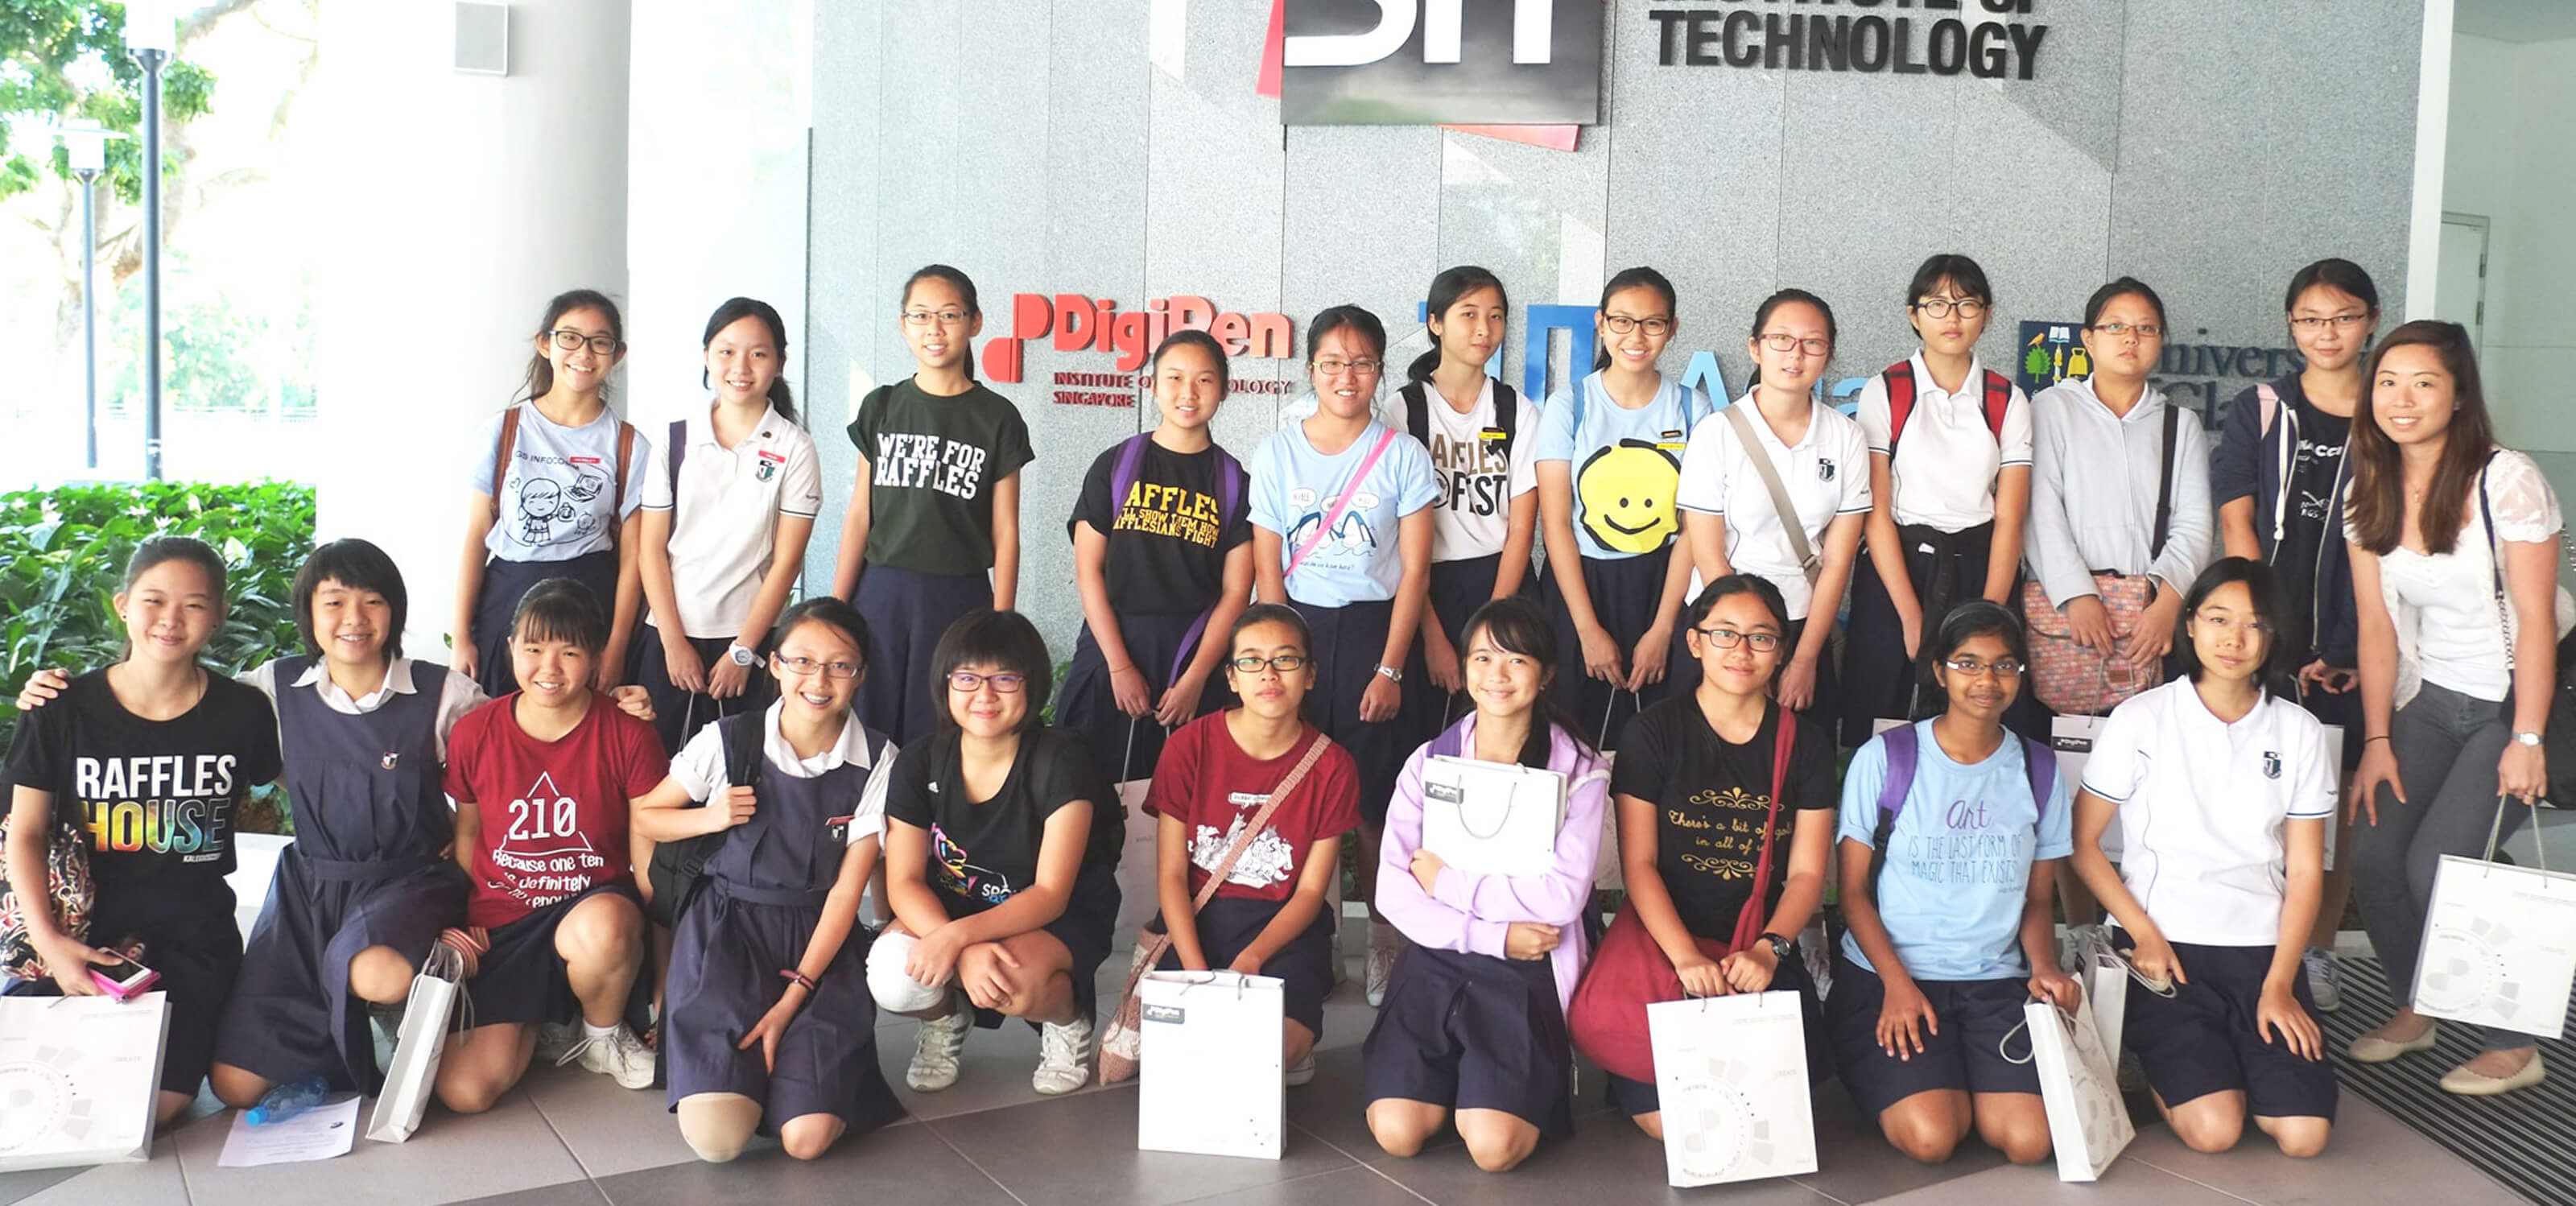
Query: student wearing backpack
x=1162, y=556
x=2279, y=479
x=1949, y=487
x=1951, y=832
x=1483, y=442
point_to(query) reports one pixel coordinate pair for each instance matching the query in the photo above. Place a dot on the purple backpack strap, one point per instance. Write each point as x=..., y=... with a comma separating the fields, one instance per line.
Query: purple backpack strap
x=2040, y=763
x=1901, y=757
x=1452, y=741
x=1230, y=479
x=1122, y=476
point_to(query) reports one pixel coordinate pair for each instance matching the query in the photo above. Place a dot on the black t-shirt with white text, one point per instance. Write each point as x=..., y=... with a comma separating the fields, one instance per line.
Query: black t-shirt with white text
x=1710, y=796
x=984, y=852
x=930, y=466
x=1167, y=539
x=2313, y=467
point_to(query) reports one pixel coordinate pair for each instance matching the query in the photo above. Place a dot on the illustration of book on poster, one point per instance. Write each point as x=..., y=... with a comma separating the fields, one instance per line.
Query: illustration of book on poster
x=78, y=1076
x=2499, y=947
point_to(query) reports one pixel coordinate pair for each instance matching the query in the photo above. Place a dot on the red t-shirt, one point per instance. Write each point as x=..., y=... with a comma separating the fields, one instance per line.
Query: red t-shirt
x=554, y=813
x=1207, y=783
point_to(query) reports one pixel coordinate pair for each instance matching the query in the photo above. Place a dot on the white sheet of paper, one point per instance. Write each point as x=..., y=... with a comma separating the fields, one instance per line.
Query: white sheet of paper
x=320, y=1133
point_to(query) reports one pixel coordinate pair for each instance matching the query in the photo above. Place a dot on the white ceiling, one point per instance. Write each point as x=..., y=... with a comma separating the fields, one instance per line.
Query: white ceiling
x=2516, y=20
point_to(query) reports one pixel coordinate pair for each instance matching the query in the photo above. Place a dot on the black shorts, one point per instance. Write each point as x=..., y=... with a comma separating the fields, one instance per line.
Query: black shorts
x=1304, y=967
x=521, y=980
x=1085, y=928
x=1473, y=1032
x=2202, y=1039
x=1975, y=1050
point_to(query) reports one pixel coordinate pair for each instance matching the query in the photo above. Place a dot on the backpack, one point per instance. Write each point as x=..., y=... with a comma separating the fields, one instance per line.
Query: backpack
x=1231, y=481
x=625, y=456
x=1417, y=415
x=1903, y=750
x=679, y=868
x=1899, y=379
x=679, y=449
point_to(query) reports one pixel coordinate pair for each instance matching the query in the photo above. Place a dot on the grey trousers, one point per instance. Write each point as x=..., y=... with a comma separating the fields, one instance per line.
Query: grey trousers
x=2447, y=745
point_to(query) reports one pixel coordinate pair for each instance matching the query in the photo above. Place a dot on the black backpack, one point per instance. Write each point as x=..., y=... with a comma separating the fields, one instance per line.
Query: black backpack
x=679, y=868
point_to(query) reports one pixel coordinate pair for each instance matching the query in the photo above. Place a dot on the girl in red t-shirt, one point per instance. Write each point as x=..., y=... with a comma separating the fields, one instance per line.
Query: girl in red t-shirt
x=1216, y=774
x=543, y=781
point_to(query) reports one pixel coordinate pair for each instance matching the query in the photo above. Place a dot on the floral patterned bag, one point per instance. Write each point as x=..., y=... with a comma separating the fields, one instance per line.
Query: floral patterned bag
x=69, y=892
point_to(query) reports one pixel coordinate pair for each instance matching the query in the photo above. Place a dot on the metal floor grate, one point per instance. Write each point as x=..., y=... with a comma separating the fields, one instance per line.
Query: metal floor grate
x=2526, y=1139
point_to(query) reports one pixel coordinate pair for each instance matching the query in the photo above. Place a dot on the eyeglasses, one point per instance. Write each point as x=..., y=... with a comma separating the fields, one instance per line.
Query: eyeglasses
x=1286, y=663
x=1728, y=638
x=569, y=339
x=2114, y=330
x=1782, y=341
x=969, y=682
x=923, y=318
x=2341, y=322
x=836, y=671
x=2002, y=667
x=2223, y=622
x=1356, y=368
x=1621, y=324
x=1940, y=307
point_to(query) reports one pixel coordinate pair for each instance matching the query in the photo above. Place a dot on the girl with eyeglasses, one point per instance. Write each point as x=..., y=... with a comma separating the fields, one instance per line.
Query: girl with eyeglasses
x=933, y=527
x=1162, y=560
x=1726, y=816
x=1735, y=520
x=1341, y=530
x=2278, y=479
x=1949, y=487
x=1609, y=469
x=2223, y=791
x=1951, y=831
x=556, y=495
x=771, y=1028
x=1002, y=853
x=1217, y=773
x=1474, y=1025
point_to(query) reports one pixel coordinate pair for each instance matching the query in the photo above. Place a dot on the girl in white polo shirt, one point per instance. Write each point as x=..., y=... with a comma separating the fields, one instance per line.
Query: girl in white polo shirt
x=2222, y=791
x=1822, y=460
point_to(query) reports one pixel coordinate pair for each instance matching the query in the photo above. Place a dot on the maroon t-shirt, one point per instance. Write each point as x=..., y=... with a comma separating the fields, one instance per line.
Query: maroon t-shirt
x=1207, y=783
x=554, y=812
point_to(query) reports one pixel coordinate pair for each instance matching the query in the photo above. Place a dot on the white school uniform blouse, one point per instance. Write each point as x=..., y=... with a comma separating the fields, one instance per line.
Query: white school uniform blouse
x=1944, y=473
x=2449, y=630
x=730, y=502
x=1826, y=475
x=457, y=695
x=699, y=768
x=2204, y=806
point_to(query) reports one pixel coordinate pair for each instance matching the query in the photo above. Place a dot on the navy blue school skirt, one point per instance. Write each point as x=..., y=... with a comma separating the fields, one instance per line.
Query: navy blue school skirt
x=1473, y=1032
x=678, y=714
x=1126, y=747
x=504, y=582
x=520, y=981
x=1304, y=966
x=291, y=1014
x=724, y=977
x=1625, y=593
x=1348, y=641
x=1458, y=588
x=1879, y=680
x=907, y=613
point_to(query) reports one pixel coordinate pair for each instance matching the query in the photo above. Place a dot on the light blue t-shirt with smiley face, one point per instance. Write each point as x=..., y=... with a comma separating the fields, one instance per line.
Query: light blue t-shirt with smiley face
x=1626, y=464
x=1359, y=560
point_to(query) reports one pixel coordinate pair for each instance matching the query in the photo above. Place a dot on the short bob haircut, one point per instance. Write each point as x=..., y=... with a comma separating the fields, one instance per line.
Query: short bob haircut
x=830, y=612
x=561, y=609
x=1004, y=639
x=2283, y=643
x=1973, y=619
x=358, y=565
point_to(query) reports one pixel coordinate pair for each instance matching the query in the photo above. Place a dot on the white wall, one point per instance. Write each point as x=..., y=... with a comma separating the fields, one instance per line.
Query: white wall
x=461, y=204
x=2510, y=103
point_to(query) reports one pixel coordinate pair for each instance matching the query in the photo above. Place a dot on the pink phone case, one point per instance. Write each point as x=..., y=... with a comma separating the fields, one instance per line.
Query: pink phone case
x=122, y=990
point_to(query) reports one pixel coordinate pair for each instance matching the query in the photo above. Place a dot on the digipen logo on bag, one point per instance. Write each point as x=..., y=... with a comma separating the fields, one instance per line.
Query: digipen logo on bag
x=1446, y=793
x=2271, y=765
x=1164, y=1013
x=1432, y=62
x=1079, y=323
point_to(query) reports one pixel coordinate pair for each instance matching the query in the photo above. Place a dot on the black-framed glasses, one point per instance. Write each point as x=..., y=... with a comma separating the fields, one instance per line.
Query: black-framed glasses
x=1728, y=638
x=2314, y=323
x=1286, y=663
x=1782, y=341
x=836, y=671
x=569, y=339
x=2114, y=330
x=1621, y=324
x=969, y=682
x=1940, y=307
x=2002, y=667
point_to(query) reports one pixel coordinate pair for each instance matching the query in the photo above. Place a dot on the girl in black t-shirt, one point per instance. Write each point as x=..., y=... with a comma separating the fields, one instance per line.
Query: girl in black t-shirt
x=146, y=762
x=1162, y=555
x=1001, y=863
x=1712, y=897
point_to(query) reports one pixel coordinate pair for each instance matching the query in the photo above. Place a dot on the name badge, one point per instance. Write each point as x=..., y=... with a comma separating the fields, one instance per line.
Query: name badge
x=1491, y=433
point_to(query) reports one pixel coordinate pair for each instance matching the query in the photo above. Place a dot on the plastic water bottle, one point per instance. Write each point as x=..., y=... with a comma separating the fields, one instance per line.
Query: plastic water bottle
x=288, y=1100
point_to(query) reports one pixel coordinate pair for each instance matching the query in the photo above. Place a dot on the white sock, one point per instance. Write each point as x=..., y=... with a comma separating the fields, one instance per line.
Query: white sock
x=602, y=1033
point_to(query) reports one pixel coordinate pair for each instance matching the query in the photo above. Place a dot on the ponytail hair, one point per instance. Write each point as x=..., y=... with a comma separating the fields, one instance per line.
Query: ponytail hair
x=735, y=310
x=1631, y=278
x=1446, y=289
x=541, y=371
x=965, y=294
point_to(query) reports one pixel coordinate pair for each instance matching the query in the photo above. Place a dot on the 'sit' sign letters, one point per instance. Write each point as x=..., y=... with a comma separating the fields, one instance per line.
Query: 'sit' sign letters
x=1432, y=62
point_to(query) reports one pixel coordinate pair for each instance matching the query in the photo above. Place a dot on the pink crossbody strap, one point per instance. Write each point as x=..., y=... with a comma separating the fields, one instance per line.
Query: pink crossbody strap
x=1340, y=504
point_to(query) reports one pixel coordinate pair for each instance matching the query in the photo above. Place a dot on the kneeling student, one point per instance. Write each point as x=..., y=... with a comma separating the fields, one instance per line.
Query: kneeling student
x=1952, y=829
x=1474, y=1020
x=2223, y=792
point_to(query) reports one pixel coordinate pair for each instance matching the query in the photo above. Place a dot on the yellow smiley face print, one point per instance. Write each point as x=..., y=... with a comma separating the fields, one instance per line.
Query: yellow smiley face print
x=1627, y=494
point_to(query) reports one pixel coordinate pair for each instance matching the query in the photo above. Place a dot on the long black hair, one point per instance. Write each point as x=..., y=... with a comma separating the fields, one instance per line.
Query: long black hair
x=1446, y=289
x=735, y=310
x=1516, y=625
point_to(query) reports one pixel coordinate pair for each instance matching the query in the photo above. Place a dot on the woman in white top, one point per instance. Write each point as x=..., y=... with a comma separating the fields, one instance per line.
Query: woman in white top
x=2454, y=568
x=1822, y=459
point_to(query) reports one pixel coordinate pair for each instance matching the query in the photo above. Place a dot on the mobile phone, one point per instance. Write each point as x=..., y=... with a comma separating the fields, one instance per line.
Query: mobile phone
x=123, y=979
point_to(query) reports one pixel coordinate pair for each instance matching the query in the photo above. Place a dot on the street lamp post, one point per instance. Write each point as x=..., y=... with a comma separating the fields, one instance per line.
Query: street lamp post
x=152, y=34
x=85, y=141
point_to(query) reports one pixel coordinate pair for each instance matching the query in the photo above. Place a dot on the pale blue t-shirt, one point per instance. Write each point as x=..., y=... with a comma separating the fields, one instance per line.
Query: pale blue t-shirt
x=1626, y=464
x=1360, y=560
x=559, y=499
x=1958, y=860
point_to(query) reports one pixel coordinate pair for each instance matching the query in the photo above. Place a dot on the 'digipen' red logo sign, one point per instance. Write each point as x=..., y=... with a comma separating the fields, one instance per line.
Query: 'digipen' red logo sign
x=1080, y=323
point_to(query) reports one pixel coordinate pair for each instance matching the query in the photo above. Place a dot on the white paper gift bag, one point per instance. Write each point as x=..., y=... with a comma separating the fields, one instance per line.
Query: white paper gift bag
x=414, y=1071
x=1732, y=1075
x=1491, y=818
x=79, y=1079
x=2499, y=945
x=1210, y=1054
x=2079, y=1085
x=1139, y=889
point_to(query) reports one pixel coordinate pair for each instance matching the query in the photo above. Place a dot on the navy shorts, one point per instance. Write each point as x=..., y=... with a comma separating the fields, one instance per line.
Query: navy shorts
x=2202, y=1039
x=1473, y=1032
x=1304, y=967
x=521, y=980
x=1975, y=1051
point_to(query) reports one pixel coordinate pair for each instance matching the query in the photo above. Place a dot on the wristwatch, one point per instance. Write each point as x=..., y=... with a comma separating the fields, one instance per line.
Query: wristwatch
x=1780, y=947
x=1391, y=674
x=2526, y=739
x=740, y=655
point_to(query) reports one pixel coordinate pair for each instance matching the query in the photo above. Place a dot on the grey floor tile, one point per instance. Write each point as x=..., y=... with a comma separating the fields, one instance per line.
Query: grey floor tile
x=1081, y=1151
x=1333, y=1109
x=1341, y=1187
x=576, y=1193
x=908, y=1162
x=609, y=1129
x=452, y=1158
x=2372, y=1158
x=1855, y=1164
x=2128, y=1183
x=18, y=1186
x=144, y=1183
x=1608, y=1160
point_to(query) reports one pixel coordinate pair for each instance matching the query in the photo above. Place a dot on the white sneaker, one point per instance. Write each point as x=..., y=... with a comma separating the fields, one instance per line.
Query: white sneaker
x=2325, y=979
x=934, y=1054
x=1381, y=967
x=1301, y=1072
x=621, y=1056
x=1064, y=1057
